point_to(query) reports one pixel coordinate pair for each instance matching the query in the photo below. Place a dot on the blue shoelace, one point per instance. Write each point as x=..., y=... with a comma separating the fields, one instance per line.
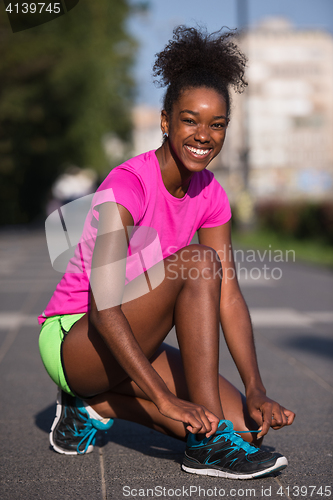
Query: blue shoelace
x=91, y=426
x=88, y=433
x=235, y=439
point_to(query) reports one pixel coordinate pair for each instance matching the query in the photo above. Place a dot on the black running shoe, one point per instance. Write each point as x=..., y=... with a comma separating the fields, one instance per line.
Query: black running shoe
x=73, y=431
x=226, y=454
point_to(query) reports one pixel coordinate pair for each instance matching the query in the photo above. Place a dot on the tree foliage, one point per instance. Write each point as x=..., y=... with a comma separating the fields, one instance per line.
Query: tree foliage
x=63, y=85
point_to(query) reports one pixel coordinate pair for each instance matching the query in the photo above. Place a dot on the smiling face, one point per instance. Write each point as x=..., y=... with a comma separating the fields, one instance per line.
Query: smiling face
x=196, y=127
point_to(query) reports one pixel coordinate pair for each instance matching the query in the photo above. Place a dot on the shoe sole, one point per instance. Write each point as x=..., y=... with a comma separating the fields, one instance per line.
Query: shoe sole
x=52, y=443
x=280, y=464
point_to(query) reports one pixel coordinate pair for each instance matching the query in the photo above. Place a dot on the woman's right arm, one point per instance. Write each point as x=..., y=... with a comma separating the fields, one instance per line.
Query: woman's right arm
x=107, y=284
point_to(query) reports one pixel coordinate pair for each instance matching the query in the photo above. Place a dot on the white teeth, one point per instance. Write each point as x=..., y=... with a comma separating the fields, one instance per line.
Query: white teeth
x=198, y=151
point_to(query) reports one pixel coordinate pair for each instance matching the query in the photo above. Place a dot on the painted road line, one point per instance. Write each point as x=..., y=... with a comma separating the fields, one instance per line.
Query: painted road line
x=279, y=317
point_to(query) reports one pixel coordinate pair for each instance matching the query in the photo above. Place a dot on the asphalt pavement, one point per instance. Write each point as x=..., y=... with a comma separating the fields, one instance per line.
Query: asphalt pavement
x=291, y=307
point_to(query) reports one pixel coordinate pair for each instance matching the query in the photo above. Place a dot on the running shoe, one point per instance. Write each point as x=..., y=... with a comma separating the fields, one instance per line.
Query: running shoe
x=226, y=454
x=73, y=431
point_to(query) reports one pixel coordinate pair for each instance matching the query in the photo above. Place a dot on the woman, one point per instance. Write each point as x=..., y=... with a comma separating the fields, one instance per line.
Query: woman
x=103, y=331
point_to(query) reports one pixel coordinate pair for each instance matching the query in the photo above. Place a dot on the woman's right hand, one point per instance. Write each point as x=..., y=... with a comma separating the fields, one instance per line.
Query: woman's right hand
x=197, y=418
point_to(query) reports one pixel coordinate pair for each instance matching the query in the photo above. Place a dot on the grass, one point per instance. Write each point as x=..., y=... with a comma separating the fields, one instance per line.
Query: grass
x=311, y=251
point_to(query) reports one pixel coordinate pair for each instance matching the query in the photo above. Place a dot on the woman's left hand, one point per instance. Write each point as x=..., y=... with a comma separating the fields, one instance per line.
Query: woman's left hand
x=267, y=413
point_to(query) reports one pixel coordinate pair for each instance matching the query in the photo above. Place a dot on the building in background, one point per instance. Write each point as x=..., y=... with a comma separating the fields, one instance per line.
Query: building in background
x=283, y=122
x=147, y=134
x=285, y=117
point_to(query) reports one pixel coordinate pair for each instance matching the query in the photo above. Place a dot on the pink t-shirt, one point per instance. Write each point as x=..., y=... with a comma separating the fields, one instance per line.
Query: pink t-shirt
x=138, y=186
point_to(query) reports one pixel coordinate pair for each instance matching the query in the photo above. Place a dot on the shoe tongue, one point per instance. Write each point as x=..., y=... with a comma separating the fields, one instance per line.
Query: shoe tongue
x=225, y=425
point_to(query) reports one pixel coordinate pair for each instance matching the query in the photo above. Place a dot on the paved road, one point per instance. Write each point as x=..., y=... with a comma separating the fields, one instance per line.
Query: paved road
x=292, y=312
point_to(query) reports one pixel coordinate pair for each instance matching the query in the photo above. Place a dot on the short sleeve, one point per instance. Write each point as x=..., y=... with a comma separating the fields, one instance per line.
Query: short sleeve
x=218, y=210
x=124, y=187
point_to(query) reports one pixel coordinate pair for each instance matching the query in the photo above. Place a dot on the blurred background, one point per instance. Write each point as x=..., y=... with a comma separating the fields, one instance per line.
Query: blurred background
x=77, y=98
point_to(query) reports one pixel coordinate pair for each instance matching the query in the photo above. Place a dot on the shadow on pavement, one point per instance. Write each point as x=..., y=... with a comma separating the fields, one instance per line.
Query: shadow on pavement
x=44, y=418
x=315, y=345
x=132, y=436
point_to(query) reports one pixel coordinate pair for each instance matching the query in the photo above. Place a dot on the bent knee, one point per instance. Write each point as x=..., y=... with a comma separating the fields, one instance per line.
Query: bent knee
x=197, y=263
x=203, y=262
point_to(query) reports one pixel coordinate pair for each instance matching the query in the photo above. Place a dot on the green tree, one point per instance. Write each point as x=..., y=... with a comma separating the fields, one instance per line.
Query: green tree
x=63, y=85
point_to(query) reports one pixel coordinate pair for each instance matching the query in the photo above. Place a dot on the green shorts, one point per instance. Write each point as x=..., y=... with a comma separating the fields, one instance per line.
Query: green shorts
x=51, y=338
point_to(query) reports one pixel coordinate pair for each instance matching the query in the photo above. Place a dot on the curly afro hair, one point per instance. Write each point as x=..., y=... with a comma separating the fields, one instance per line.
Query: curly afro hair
x=195, y=59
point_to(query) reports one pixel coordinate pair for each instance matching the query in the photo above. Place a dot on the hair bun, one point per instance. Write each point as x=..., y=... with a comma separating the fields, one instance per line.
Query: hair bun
x=193, y=51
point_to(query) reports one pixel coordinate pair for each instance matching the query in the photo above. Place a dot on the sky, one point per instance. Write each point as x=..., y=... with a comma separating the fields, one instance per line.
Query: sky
x=153, y=29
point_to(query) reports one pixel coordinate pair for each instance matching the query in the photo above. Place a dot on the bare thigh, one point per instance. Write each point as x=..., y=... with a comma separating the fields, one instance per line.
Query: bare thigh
x=90, y=367
x=167, y=362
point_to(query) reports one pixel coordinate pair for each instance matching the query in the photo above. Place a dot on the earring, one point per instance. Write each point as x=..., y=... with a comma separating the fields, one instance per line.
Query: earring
x=166, y=135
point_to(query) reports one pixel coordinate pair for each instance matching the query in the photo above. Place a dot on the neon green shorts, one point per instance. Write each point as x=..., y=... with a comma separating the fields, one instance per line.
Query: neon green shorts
x=51, y=337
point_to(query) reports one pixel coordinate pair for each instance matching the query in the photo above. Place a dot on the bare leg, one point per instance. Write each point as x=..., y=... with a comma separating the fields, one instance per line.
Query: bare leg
x=189, y=297
x=128, y=402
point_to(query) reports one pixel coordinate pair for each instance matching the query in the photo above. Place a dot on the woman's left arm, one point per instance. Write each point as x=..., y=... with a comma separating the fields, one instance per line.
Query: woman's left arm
x=237, y=329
